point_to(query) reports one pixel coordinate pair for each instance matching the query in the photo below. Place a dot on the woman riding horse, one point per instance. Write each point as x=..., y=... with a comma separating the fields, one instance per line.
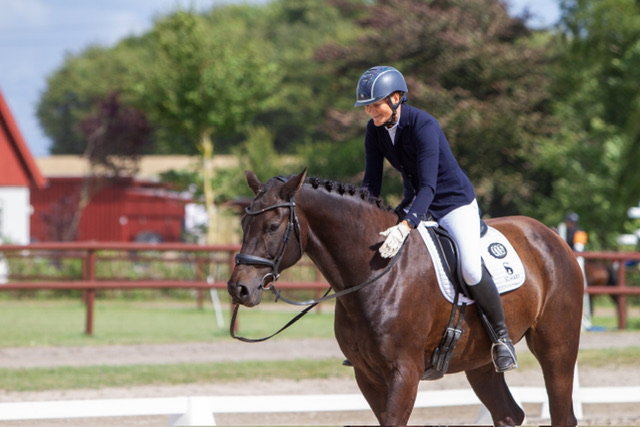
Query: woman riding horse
x=434, y=184
x=390, y=314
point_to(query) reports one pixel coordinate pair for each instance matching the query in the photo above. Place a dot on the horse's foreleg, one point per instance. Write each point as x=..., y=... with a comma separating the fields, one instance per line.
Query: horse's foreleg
x=391, y=399
x=492, y=390
x=374, y=391
x=402, y=396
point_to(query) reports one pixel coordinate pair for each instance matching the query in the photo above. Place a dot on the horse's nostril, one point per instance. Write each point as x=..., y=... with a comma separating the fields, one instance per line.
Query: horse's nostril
x=243, y=291
x=238, y=291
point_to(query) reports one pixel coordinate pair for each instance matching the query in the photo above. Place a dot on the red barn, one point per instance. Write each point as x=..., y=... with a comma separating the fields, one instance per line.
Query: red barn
x=18, y=173
x=123, y=210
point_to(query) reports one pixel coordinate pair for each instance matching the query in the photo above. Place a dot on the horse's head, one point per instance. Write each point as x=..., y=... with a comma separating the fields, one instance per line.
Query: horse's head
x=272, y=237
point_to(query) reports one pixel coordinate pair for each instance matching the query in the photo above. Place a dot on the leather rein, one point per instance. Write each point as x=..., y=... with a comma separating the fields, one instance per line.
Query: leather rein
x=292, y=226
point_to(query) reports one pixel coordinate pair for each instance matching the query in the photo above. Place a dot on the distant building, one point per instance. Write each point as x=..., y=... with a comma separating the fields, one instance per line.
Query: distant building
x=19, y=174
x=140, y=209
x=134, y=209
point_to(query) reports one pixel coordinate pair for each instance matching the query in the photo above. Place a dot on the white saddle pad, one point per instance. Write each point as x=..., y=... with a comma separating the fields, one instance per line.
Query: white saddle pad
x=500, y=258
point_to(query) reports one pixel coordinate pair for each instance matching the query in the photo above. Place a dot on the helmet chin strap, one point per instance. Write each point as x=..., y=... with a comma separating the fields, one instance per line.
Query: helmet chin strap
x=394, y=108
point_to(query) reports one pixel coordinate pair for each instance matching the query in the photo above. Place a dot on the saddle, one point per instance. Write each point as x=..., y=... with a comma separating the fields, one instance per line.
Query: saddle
x=448, y=251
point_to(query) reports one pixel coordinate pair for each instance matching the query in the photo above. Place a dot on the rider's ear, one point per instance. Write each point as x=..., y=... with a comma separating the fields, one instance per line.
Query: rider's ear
x=293, y=185
x=254, y=183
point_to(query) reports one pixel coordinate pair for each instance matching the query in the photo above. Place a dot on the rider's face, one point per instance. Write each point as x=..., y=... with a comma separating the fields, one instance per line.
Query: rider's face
x=380, y=111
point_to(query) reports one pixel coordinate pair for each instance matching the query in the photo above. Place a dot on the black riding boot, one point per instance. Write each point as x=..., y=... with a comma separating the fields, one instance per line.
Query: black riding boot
x=487, y=297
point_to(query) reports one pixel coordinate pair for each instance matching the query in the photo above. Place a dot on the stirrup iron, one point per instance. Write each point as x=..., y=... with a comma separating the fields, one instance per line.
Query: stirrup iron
x=510, y=349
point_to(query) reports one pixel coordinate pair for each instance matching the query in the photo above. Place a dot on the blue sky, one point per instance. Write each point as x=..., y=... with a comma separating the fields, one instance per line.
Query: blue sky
x=37, y=35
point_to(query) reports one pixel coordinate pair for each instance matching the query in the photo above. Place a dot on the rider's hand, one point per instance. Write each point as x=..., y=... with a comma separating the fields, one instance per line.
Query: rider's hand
x=395, y=237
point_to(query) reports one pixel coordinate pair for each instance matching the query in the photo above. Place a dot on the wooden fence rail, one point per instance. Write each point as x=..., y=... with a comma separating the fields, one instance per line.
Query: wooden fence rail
x=621, y=290
x=92, y=252
x=89, y=283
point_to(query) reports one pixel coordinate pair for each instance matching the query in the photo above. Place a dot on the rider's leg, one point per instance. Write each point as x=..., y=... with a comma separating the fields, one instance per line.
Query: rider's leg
x=463, y=224
x=488, y=299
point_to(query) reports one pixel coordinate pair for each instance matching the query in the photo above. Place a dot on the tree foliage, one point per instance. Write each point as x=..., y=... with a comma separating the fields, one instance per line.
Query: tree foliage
x=115, y=137
x=199, y=79
x=278, y=38
x=597, y=95
x=73, y=90
x=297, y=28
x=201, y=83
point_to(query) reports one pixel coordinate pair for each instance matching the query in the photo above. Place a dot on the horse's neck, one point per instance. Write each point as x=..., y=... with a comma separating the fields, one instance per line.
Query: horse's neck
x=341, y=233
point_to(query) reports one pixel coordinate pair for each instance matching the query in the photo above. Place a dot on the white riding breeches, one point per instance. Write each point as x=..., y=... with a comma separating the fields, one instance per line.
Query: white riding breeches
x=463, y=224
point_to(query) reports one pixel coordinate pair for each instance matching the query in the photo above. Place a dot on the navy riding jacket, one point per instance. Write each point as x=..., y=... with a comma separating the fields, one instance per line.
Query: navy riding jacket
x=432, y=178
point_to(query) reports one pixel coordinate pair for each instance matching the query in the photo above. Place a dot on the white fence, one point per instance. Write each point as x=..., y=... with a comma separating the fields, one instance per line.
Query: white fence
x=201, y=410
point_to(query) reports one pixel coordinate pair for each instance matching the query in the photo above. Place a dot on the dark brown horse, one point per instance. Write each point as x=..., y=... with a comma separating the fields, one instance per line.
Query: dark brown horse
x=598, y=273
x=389, y=329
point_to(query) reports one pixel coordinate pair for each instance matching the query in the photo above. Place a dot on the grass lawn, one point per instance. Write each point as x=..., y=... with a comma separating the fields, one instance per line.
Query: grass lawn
x=58, y=322
x=61, y=322
x=95, y=377
x=26, y=322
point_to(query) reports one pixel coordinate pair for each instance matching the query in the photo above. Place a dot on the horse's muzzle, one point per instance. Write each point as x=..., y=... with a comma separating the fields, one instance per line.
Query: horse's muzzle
x=243, y=294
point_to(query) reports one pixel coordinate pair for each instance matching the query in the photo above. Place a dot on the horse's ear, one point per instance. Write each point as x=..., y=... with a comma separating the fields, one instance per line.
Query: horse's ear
x=254, y=183
x=292, y=186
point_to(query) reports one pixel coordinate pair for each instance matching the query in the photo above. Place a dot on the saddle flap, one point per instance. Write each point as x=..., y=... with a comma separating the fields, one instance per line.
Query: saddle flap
x=448, y=251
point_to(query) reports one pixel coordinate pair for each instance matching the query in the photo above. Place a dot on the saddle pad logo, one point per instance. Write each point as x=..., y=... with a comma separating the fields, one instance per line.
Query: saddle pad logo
x=497, y=250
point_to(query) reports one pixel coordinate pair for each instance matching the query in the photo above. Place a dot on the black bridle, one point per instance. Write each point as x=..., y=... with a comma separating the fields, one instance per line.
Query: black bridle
x=292, y=225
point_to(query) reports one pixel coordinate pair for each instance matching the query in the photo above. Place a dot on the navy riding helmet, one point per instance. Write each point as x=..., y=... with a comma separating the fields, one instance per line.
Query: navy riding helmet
x=378, y=83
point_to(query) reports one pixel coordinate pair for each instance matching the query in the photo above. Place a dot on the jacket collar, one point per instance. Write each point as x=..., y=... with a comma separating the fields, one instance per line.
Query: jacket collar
x=405, y=115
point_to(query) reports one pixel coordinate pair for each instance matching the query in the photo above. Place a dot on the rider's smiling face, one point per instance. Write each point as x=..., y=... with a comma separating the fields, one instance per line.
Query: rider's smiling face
x=381, y=111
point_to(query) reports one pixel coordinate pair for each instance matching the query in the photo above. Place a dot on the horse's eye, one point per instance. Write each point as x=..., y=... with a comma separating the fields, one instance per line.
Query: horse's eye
x=273, y=227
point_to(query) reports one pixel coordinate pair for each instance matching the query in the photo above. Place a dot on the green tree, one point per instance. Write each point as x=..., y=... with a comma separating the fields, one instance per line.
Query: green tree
x=73, y=90
x=198, y=82
x=598, y=95
x=116, y=135
x=296, y=29
x=271, y=32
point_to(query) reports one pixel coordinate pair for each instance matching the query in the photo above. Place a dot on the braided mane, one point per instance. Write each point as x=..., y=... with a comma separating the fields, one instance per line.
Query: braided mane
x=345, y=189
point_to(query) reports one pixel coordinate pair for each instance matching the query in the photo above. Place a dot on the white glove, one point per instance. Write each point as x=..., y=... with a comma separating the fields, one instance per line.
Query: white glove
x=395, y=237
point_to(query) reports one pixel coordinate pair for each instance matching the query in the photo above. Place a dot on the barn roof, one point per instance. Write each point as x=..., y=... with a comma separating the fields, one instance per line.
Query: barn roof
x=17, y=166
x=151, y=166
